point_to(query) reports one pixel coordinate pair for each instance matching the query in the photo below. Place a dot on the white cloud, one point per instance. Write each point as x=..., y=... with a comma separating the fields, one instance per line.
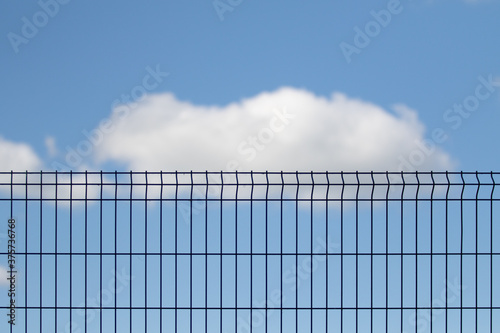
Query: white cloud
x=17, y=156
x=335, y=133
x=50, y=144
x=3, y=276
x=21, y=157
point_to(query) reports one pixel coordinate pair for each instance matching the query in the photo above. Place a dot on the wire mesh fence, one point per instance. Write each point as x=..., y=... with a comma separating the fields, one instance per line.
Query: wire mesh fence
x=249, y=252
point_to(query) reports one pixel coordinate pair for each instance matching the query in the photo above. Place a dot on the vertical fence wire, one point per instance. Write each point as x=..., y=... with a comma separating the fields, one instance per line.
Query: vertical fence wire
x=243, y=251
x=491, y=251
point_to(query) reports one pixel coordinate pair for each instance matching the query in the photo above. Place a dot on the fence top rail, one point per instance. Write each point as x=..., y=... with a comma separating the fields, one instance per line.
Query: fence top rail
x=450, y=173
x=107, y=183
x=249, y=178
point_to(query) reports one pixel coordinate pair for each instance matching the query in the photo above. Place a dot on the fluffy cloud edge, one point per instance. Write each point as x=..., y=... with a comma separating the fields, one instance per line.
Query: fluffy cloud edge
x=3, y=276
x=18, y=156
x=260, y=133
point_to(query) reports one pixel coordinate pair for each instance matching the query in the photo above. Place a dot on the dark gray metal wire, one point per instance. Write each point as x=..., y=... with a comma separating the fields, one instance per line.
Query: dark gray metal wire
x=343, y=198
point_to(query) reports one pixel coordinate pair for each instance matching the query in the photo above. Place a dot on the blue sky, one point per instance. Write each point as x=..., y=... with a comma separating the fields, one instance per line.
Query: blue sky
x=68, y=76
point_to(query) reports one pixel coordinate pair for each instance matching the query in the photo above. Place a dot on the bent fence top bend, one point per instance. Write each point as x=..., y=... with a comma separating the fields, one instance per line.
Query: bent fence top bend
x=249, y=251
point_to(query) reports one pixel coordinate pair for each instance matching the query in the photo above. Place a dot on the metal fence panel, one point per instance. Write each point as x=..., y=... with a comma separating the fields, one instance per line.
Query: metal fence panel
x=249, y=252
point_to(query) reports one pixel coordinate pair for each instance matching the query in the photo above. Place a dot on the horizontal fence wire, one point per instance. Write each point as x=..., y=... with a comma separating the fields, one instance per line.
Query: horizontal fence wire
x=249, y=252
